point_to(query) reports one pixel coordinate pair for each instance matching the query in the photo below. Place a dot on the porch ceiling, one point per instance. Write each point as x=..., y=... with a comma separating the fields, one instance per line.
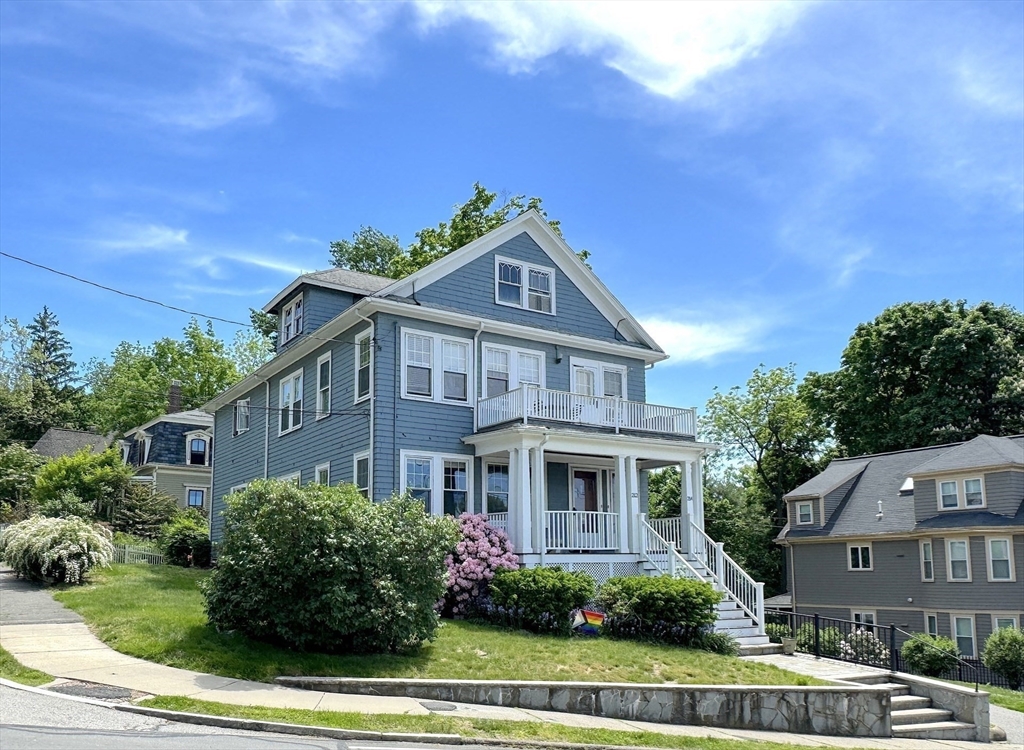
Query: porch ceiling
x=653, y=451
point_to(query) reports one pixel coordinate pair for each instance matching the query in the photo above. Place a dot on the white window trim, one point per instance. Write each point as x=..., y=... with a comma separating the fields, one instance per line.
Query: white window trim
x=300, y=373
x=601, y=368
x=961, y=493
x=949, y=560
x=126, y=449
x=290, y=307
x=319, y=387
x=974, y=632
x=483, y=484
x=437, y=369
x=862, y=612
x=147, y=443
x=192, y=488
x=525, y=298
x=355, y=385
x=810, y=506
x=931, y=545
x=197, y=435
x=316, y=473
x=437, y=477
x=356, y=458
x=926, y=616
x=1004, y=616
x=295, y=478
x=513, y=365
x=988, y=558
x=242, y=403
x=237, y=488
x=871, y=555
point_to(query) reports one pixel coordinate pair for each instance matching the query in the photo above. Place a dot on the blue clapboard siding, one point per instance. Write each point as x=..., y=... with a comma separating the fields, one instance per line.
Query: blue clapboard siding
x=319, y=306
x=471, y=288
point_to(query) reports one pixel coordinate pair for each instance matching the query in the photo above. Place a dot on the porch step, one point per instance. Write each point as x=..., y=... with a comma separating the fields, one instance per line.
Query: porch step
x=921, y=716
x=732, y=614
x=894, y=688
x=938, y=730
x=759, y=649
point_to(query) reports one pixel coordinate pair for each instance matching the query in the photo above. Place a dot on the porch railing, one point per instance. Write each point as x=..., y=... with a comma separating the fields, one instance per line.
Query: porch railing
x=581, y=530
x=532, y=402
x=498, y=521
x=664, y=555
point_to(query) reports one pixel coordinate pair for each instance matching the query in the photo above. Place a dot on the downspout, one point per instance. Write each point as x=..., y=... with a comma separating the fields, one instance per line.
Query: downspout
x=373, y=395
x=477, y=368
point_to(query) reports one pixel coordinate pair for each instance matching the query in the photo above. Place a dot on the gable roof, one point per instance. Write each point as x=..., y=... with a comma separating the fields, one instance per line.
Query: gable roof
x=981, y=452
x=561, y=255
x=835, y=475
x=339, y=279
x=57, y=442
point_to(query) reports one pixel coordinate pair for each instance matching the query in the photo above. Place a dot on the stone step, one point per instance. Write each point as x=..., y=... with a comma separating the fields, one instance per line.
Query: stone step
x=939, y=730
x=894, y=688
x=921, y=716
x=910, y=702
x=757, y=649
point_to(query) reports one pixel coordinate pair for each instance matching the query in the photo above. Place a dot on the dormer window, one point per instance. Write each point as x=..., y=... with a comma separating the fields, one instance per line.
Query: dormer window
x=804, y=514
x=518, y=284
x=126, y=448
x=291, y=320
x=972, y=493
x=197, y=449
x=947, y=491
x=961, y=493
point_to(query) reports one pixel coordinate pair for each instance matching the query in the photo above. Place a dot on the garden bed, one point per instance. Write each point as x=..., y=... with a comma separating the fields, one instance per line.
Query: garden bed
x=156, y=613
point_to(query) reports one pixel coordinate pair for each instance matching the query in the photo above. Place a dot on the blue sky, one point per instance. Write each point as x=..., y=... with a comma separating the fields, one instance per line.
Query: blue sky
x=752, y=180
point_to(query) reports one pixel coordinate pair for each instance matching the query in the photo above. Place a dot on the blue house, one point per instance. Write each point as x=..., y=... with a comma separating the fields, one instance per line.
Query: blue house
x=505, y=379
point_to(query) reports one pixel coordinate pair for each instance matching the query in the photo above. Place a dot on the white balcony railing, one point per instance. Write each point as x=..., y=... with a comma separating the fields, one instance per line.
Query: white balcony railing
x=532, y=402
x=581, y=530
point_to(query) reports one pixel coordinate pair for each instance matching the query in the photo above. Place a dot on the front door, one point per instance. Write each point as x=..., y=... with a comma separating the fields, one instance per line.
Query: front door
x=584, y=489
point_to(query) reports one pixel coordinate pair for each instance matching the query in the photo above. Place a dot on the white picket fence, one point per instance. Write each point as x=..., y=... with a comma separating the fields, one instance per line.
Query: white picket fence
x=124, y=553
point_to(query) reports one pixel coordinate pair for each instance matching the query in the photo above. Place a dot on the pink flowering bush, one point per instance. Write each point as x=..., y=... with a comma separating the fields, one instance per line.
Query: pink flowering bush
x=480, y=553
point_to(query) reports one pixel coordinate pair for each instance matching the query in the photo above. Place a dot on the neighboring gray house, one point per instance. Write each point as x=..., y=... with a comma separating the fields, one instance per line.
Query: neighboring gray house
x=504, y=378
x=173, y=453
x=929, y=539
x=57, y=442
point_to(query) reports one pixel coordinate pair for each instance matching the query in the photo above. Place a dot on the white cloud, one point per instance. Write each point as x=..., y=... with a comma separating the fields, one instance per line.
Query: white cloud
x=666, y=47
x=291, y=237
x=211, y=106
x=685, y=338
x=145, y=237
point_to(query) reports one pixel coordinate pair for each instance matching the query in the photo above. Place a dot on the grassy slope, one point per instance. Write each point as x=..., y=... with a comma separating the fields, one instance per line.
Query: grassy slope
x=1011, y=699
x=474, y=728
x=156, y=613
x=12, y=669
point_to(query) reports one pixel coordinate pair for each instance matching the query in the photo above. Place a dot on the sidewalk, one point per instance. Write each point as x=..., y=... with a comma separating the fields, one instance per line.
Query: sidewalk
x=41, y=634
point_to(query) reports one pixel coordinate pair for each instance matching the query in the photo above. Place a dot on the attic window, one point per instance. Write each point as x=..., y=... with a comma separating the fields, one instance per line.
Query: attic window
x=510, y=276
x=291, y=320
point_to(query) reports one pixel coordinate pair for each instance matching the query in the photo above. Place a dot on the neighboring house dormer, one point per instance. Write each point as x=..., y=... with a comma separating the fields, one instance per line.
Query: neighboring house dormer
x=983, y=475
x=813, y=504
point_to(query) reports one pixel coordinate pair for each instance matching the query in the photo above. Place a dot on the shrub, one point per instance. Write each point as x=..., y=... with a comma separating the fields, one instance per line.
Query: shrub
x=65, y=505
x=777, y=631
x=716, y=643
x=128, y=540
x=537, y=599
x=1004, y=655
x=18, y=468
x=59, y=550
x=98, y=478
x=323, y=568
x=143, y=512
x=863, y=647
x=930, y=655
x=663, y=608
x=478, y=555
x=185, y=541
x=831, y=638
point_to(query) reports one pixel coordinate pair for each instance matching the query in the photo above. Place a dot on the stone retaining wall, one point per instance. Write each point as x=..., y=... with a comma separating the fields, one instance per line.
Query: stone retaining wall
x=842, y=711
x=967, y=706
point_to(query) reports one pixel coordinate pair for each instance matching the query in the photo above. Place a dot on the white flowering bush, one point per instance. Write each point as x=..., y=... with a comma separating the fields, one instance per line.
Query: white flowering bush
x=58, y=550
x=862, y=646
x=481, y=552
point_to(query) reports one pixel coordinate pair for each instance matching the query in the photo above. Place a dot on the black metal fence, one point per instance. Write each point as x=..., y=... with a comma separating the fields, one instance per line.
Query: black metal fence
x=865, y=643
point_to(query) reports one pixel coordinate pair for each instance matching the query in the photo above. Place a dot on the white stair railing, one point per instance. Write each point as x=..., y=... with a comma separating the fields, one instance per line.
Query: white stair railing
x=663, y=554
x=731, y=578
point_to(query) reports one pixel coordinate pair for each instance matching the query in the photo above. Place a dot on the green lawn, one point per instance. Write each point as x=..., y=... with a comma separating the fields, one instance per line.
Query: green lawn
x=156, y=613
x=1011, y=699
x=12, y=669
x=472, y=728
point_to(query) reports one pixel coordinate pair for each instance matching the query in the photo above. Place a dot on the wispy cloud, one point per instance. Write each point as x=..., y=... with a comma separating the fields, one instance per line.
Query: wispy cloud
x=292, y=238
x=668, y=48
x=688, y=336
x=141, y=237
x=213, y=105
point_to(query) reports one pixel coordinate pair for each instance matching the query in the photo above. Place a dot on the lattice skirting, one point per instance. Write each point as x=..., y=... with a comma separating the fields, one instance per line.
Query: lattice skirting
x=600, y=571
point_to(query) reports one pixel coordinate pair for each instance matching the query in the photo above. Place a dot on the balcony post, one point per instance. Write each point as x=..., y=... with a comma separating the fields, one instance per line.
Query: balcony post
x=540, y=504
x=684, y=508
x=621, y=491
x=720, y=564
x=698, y=493
x=633, y=480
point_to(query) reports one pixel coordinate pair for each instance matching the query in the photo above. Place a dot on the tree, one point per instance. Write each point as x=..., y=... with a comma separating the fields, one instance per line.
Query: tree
x=50, y=354
x=925, y=373
x=373, y=251
x=132, y=388
x=143, y=511
x=99, y=479
x=250, y=350
x=265, y=324
x=18, y=468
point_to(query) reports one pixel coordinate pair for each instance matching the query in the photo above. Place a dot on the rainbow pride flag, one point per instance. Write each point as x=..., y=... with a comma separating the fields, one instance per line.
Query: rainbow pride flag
x=586, y=622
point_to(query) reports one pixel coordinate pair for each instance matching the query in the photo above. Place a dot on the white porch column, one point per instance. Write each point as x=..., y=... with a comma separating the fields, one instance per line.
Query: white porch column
x=622, y=495
x=525, y=502
x=684, y=507
x=539, y=496
x=513, y=526
x=698, y=494
x=633, y=479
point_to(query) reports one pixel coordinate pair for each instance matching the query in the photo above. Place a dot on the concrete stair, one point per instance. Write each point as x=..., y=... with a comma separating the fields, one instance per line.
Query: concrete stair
x=914, y=716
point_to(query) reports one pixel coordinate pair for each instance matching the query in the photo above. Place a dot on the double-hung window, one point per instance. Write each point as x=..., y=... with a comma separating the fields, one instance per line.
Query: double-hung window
x=1000, y=559
x=241, y=416
x=859, y=556
x=507, y=368
x=958, y=555
x=931, y=624
x=961, y=493
x=804, y=514
x=322, y=474
x=948, y=494
x=441, y=482
x=361, y=473
x=973, y=496
x=497, y=488
x=927, y=561
x=290, y=402
x=963, y=629
x=1004, y=621
x=436, y=367
x=364, y=359
x=291, y=320
x=323, y=386
x=499, y=376
x=510, y=278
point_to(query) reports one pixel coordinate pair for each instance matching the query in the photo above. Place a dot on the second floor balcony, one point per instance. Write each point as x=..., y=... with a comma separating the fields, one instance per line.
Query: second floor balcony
x=533, y=403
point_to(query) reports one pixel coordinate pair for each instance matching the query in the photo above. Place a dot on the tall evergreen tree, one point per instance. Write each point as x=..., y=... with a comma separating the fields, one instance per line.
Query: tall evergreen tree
x=50, y=359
